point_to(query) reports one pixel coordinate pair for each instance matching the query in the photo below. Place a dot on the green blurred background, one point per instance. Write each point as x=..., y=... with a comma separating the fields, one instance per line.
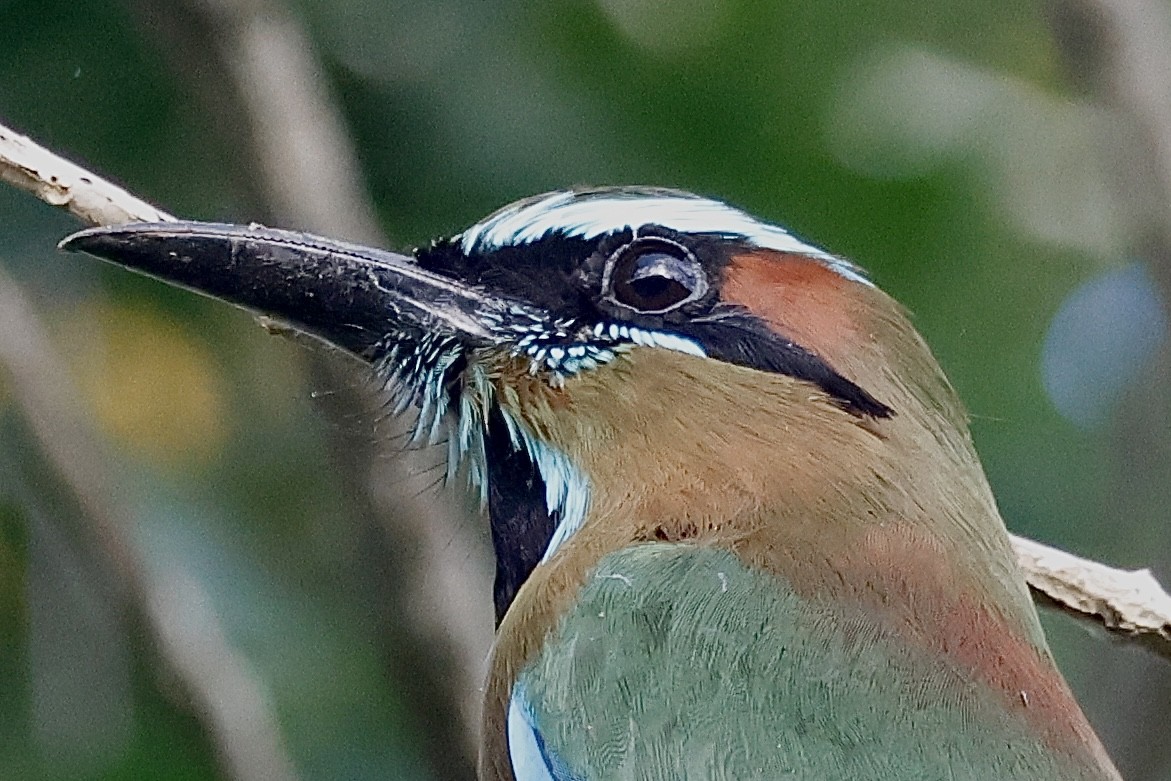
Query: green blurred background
x=959, y=151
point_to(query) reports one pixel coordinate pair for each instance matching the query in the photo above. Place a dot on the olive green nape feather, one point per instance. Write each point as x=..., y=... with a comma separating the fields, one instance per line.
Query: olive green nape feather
x=678, y=661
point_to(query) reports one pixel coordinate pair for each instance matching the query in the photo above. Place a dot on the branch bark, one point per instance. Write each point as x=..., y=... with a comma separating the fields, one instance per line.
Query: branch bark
x=27, y=166
x=1127, y=603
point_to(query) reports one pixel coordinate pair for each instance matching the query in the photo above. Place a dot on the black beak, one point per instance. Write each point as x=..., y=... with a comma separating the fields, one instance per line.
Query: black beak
x=348, y=295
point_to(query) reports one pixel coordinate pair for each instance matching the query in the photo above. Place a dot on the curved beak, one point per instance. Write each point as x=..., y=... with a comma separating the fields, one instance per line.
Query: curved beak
x=348, y=295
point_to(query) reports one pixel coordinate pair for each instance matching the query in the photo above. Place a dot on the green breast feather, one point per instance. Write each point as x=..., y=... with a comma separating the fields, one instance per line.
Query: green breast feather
x=680, y=662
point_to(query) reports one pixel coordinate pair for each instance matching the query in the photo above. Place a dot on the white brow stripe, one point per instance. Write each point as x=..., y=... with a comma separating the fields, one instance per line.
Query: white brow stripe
x=591, y=214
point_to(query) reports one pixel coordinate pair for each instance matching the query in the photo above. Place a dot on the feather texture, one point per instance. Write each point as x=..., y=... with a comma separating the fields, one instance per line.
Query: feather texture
x=679, y=662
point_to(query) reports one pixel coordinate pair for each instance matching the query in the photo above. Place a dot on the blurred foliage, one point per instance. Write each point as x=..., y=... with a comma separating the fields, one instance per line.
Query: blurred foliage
x=935, y=143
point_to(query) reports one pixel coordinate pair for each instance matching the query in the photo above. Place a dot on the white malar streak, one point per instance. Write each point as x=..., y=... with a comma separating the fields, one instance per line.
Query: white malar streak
x=567, y=490
x=589, y=214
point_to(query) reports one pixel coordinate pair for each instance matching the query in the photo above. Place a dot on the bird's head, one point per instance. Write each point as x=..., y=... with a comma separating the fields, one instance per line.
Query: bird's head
x=641, y=363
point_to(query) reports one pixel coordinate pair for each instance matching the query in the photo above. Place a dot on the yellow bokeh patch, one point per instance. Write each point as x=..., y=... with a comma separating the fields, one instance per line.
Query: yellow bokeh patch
x=152, y=386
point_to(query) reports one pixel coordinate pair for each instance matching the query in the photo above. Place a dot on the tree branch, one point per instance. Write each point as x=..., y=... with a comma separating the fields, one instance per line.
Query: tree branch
x=1128, y=603
x=30, y=167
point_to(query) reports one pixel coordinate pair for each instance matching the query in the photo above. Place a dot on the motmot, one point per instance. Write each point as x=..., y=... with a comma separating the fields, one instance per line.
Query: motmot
x=740, y=527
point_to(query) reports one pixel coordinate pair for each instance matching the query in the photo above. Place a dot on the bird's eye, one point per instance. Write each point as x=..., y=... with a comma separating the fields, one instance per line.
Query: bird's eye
x=654, y=275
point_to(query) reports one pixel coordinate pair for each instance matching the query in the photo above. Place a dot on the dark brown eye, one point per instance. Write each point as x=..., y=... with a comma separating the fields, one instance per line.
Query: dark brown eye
x=653, y=276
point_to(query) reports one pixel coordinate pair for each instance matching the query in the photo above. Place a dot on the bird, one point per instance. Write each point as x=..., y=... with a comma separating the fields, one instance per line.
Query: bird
x=740, y=526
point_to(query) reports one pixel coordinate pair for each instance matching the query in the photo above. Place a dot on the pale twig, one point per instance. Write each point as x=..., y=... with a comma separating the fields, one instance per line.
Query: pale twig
x=184, y=631
x=1126, y=602
x=56, y=181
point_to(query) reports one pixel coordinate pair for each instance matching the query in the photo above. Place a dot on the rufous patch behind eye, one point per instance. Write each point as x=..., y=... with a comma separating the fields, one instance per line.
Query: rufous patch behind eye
x=801, y=298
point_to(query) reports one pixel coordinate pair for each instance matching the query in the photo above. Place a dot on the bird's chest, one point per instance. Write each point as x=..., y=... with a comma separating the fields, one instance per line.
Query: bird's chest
x=677, y=661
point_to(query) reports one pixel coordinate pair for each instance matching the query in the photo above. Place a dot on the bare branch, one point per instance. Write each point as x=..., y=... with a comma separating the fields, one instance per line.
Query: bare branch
x=56, y=181
x=1129, y=603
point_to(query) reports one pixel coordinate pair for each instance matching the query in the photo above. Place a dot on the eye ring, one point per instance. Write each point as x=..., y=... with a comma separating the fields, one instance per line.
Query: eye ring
x=653, y=275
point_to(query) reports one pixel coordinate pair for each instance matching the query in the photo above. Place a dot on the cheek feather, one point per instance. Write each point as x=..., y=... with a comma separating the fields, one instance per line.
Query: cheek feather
x=802, y=299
